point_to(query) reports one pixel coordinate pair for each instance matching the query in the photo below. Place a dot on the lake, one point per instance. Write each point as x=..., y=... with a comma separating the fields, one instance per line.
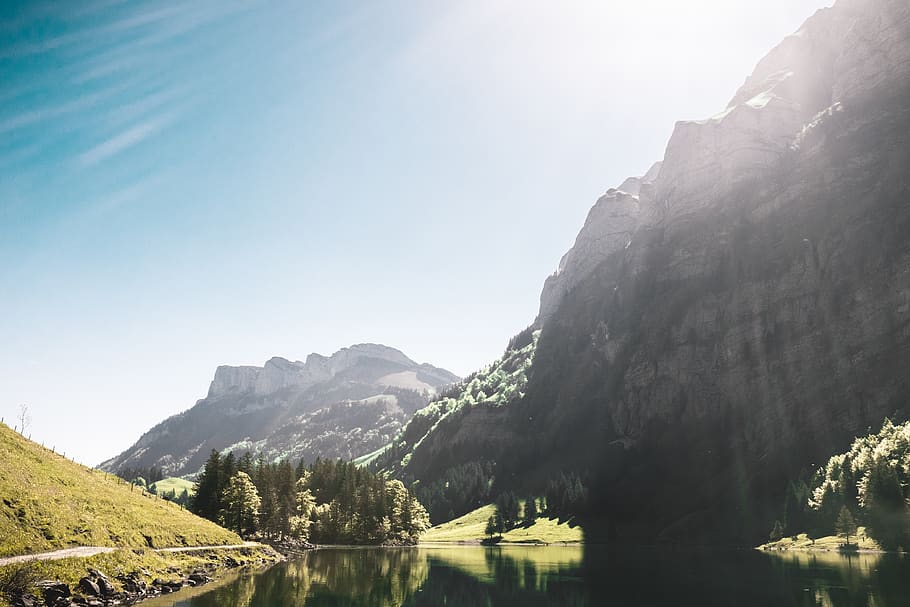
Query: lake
x=559, y=575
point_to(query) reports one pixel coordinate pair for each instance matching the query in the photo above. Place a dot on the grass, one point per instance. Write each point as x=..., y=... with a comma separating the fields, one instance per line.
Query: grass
x=175, y=484
x=147, y=563
x=366, y=460
x=471, y=528
x=827, y=543
x=545, y=531
x=48, y=502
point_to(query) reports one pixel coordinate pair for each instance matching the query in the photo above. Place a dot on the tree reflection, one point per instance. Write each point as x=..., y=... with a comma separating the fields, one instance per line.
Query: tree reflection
x=566, y=576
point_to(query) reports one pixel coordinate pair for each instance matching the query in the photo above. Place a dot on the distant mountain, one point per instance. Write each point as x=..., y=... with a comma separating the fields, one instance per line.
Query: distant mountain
x=345, y=405
x=739, y=312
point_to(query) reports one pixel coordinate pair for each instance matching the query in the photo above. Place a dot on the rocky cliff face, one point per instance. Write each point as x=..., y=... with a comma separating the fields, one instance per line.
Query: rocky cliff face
x=743, y=314
x=344, y=405
x=607, y=230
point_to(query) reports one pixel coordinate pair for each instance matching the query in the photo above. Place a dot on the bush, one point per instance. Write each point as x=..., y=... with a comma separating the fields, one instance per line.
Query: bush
x=17, y=580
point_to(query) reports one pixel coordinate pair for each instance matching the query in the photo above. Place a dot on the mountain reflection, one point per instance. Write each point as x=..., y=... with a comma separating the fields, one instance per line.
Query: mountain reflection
x=563, y=576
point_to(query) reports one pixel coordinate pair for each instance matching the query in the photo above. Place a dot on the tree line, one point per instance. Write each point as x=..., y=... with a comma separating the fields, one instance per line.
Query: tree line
x=141, y=476
x=565, y=497
x=328, y=502
x=867, y=485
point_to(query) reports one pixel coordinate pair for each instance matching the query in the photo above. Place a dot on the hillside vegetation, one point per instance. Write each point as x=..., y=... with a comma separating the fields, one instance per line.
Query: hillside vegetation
x=445, y=489
x=327, y=502
x=175, y=484
x=48, y=502
x=866, y=485
x=471, y=528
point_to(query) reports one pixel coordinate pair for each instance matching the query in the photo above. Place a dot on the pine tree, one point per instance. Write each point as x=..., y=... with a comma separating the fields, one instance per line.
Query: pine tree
x=491, y=526
x=845, y=526
x=530, y=512
x=885, y=506
x=777, y=532
x=208, y=488
x=286, y=496
x=508, y=507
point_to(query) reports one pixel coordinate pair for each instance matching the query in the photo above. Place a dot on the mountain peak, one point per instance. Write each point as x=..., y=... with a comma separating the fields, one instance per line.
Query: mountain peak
x=343, y=405
x=278, y=372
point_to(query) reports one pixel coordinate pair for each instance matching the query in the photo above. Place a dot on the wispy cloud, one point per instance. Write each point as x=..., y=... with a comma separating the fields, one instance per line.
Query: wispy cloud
x=34, y=116
x=147, y=18
x=117, y=75
x=162, y=23
x=124, y=195
x=25, y=49
x=157, y=100
x=22, y=154
x=123, y=141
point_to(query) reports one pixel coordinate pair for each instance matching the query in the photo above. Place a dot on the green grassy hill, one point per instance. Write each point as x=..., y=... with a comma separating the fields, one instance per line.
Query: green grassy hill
x=48, y=502
x=175, y=484
x=470, y=528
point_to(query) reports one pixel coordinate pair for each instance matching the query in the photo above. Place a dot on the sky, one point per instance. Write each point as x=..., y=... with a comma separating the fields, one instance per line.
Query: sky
x=190, y=184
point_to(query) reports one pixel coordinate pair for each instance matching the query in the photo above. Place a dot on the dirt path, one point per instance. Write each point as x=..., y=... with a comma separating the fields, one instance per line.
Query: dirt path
x=81, y=551
x=195, y=548
x=86, y=551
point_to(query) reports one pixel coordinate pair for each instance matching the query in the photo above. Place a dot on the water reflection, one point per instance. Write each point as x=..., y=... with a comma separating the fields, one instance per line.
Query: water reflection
x=514, y=575
x=569, y=576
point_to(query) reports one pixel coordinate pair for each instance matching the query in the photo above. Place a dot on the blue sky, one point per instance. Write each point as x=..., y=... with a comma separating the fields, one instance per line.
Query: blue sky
x=188, y=184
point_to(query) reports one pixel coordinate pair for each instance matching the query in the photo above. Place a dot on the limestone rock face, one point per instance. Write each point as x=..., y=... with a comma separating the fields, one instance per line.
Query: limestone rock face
x=758, y=319
x=840, y=55
x=344, y=405
x=740, y=313
x=233, y=379
x=608, y=228
x=279, y=373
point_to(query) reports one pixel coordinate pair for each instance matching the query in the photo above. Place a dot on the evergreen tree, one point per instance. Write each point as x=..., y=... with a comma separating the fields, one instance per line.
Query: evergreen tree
x=285, y=497
x=491, y=527
x=327, y=501
x=885, y=506
x=530, y=512
x=845, y=526
x=777, y=532
x=508, y=507
x=208, y=489
x=246, y=463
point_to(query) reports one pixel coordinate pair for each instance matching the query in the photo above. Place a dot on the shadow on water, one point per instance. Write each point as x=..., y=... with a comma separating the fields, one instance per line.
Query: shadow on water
x=565, y=576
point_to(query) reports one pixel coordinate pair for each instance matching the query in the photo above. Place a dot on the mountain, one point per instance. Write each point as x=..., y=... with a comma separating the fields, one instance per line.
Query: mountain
x=739, y=312
x=345, y=405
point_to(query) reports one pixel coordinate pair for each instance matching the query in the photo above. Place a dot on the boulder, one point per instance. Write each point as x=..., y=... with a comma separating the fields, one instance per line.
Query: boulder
x=105, y=586
x=53, y=591
x=88, y=586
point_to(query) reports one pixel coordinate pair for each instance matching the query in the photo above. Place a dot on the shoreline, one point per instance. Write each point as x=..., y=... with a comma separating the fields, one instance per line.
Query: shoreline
x=128, y=576
x=825, y=550
x=439, y=543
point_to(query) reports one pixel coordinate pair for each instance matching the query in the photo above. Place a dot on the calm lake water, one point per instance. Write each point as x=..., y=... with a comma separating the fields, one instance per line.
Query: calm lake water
x=576, y=576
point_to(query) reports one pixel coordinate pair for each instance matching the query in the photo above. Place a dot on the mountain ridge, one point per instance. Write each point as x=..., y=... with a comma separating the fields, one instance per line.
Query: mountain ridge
x=269, y=409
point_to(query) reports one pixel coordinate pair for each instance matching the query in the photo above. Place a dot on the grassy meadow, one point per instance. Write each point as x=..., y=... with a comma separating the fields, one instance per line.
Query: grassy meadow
x=48, y=502
x=175, y=484
x=471, y=528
